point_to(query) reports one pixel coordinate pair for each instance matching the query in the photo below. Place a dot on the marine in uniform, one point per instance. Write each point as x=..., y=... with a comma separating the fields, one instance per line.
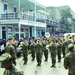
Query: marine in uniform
x=59, y=48
x=32, y=47
x=24, y=47
x=11, y=50
x=45, y=50
x=69, y=61
x=10, y=69
x=15, y=45
x=38, y=48
x=63, y=46
x=69, y=41
x=53, y=50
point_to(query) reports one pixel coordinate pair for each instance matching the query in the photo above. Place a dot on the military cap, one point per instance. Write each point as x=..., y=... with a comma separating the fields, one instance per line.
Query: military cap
x=71, y=46
x=4, y=59
x=10, y=38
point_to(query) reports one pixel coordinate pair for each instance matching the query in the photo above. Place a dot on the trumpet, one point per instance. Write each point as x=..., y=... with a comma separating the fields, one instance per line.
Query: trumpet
x=38, y=41
x=20, y=46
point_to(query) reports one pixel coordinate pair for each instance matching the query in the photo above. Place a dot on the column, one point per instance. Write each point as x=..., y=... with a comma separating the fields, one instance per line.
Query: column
x=35, y=12
x=13, y=33
x=45, y=22
x=29, y=32
x=40, y=32
x=19, y=20
x=0, y=31
x=45, y=16
x=35, y=32
x=45, y=30
x=28, y=15
x=6, y=32
x=19, y=29
x=1, y=8
x=19, y=10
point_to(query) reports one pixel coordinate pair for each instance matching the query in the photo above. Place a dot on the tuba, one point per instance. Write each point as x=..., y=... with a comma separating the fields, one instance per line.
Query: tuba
x=47, y=35
x=69, y=37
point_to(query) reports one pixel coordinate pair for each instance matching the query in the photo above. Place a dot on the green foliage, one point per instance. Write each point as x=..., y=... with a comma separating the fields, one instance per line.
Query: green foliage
x=72, y=22
x=65, y=15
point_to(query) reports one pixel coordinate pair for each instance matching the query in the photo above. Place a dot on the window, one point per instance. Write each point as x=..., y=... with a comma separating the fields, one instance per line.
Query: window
x=3, y=28
x=14, y=9
x=22, y=29
x=9, y=35
x=22, y=35
x=5, y=7
x=9, y=29
x=17, y=35
x=26, y=30
x=38, y=30
x=17, y=29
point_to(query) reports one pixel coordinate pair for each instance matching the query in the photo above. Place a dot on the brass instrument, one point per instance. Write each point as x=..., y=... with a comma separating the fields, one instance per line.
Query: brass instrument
x=20, y=46
x=47, y=35
x=47, y=47
x=38, y=41
x=69, y=37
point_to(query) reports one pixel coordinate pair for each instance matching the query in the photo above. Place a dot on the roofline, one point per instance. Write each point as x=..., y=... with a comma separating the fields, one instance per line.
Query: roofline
x=37, y=3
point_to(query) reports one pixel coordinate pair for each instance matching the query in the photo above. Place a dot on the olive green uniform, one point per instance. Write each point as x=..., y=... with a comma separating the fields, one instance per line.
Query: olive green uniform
x=59, y=48
x=67, y=43
x=53, y=50
x=38, y=48
x=11, y=50
x=32, y=47
x=69, y=63
x=15, y=45
x=24, y=47
x=45, y=50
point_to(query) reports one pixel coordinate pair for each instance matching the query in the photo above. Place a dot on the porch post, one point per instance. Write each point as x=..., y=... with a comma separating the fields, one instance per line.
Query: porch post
x=35, y=32
x=45, y=21
x=19, y=20
x=35, y=12
x=0, y=31
x=19, y=29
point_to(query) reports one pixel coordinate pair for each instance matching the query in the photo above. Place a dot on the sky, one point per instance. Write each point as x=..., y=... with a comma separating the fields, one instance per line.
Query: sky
x=56, y=3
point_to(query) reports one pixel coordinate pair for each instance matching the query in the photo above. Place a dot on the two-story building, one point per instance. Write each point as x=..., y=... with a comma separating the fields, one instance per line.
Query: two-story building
x=22, y=18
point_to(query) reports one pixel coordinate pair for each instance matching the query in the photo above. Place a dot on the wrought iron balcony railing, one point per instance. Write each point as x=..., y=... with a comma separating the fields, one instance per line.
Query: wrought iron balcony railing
x=22, y=16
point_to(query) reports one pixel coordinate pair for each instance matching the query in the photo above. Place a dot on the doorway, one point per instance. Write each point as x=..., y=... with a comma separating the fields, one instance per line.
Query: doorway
x=3, y=35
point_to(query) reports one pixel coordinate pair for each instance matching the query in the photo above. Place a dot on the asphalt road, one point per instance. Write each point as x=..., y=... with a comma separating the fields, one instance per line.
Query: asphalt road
x=44, y=69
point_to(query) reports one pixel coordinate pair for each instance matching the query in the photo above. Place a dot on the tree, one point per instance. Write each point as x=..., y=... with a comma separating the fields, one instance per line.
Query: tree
x=65, y=16
x=72, y=22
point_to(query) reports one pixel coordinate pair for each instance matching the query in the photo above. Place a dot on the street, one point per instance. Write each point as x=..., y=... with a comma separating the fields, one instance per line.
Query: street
x=44, y=69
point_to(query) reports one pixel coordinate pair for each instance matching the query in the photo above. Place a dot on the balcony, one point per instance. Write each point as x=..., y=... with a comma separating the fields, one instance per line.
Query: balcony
x=11, y=16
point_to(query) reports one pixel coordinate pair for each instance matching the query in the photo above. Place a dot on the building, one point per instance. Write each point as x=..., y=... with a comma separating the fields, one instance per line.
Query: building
x=55, y=15
x=52, y=21
x=22, y=18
